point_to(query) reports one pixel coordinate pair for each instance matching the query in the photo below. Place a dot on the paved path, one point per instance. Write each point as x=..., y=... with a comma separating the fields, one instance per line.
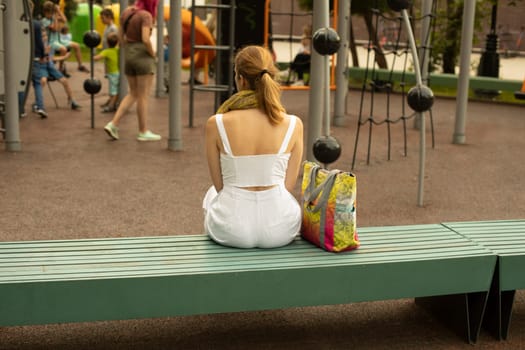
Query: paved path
x=70, y=181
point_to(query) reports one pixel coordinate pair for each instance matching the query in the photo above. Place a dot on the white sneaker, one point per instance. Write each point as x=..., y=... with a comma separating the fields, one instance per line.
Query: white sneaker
x=111, y=130
x=41, y=112
x=148, y=136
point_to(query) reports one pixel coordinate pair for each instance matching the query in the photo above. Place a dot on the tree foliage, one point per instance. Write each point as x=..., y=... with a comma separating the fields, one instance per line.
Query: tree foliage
x=70, y=9
x=446, y=39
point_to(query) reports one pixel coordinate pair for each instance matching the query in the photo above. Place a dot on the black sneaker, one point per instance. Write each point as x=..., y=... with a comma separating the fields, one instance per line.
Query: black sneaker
x=74, y=105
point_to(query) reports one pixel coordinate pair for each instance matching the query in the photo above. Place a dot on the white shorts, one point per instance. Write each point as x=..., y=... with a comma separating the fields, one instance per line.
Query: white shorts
x=248, y=219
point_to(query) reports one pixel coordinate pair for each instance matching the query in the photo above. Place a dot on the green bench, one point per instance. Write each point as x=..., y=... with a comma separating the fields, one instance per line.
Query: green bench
x=507, y=239
x=439, y=79
x=60, y=281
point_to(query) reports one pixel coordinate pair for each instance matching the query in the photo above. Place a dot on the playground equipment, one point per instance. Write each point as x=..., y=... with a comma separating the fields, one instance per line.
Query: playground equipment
x=81, y=23
x=91, y=85
x=271, y=39
x=201, y=57
x=420, y=98
x=326, y=149
x=383, y=81
x=16, y=58
x=225, y=46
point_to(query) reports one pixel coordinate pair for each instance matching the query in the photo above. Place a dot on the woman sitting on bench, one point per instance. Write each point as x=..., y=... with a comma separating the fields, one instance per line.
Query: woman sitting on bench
x=254, y=151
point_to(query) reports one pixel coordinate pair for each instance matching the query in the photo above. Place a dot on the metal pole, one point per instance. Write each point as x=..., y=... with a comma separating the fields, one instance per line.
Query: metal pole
x=175, y=97
x=12, y=125
x=467, y=33
x=159, y=91
x=192, y=65
x=326, y=83
x=92, y=63
x=424, y=53
x=419, y=82
x=123, y=82
x=341, y=81
x=315, y=106
x=231, y=43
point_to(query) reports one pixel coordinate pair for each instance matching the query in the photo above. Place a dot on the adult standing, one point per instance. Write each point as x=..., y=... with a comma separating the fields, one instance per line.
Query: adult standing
x=39, y=59
x=108, y=19
x=254, y=151
x=136, y=25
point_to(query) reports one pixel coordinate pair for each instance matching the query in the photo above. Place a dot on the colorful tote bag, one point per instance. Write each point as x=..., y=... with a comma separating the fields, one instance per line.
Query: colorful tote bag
x=329, y=208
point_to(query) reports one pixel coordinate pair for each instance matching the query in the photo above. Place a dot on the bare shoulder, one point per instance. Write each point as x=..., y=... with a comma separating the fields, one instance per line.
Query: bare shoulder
x=298, y=122
x=211, y=123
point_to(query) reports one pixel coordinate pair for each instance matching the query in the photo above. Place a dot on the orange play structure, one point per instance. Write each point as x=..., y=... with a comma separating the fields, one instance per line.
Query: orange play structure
x=202, y=37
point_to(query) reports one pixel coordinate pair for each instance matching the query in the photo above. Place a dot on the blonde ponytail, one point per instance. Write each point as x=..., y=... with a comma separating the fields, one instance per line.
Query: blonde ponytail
x=255, y=63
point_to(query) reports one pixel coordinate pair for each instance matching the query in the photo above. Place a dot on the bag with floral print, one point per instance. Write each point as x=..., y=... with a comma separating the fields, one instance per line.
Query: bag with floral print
x=329, y=208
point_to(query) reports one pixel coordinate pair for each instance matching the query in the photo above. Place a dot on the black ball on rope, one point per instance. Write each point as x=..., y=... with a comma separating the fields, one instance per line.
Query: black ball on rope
x=326, y=149
x=398, y=5
x=420, y=98
x=91, y=38
x=326, y=41
x=92, y=86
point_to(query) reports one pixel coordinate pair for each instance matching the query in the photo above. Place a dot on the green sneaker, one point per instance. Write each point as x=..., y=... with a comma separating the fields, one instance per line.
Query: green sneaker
x=148, y=136
x=111, y=130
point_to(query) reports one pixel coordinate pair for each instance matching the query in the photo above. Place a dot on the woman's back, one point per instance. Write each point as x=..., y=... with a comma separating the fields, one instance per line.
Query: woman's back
x=250, y=133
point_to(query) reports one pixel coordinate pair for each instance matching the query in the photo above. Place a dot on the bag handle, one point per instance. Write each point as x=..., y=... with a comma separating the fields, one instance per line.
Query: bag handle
x=126, y=22
x=322, y=192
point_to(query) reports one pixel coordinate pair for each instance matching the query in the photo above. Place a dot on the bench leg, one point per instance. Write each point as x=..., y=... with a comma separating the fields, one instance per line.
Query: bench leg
x=461, y=312
x=499, y=309
x=506, y=302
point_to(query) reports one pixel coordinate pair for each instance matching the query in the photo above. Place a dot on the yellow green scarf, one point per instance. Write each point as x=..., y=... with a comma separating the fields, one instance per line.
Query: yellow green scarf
x=243, y=99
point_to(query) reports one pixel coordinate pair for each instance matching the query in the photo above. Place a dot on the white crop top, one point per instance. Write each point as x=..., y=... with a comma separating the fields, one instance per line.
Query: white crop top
x=254, y=170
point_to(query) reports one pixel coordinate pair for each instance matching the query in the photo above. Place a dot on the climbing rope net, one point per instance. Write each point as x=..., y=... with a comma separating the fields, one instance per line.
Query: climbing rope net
x=287, y=27
x=389, y=45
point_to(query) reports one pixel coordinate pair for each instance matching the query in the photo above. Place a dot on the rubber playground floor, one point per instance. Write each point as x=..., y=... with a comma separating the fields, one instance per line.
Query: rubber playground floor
x=70, y=181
